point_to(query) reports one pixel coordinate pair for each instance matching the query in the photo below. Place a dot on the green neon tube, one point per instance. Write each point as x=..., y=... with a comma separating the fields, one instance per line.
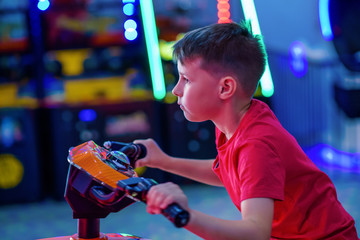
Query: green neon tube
x=248, y=6
x=152, y=47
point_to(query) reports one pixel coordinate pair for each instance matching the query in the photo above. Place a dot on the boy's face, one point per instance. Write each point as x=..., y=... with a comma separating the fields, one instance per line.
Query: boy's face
x=197, y=91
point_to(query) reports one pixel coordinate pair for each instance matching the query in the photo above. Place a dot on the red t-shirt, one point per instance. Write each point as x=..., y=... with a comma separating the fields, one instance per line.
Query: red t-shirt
x=263, y=160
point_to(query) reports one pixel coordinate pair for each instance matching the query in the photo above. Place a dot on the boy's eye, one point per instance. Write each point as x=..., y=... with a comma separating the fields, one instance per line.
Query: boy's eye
x=183, y=78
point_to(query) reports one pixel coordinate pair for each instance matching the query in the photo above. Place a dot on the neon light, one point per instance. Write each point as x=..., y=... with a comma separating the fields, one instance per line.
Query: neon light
x=43, y=5
x=328, y=156
x=130, y=24
x=87, y=115
x=130, y=30
x=297, y=59
x=7, y=131
x=152, y=46
x=129, y=9
x=130, y=34
x=11, y=171
x=223, y=8
x=324, y=17
x=166, y=49
x=266, y=83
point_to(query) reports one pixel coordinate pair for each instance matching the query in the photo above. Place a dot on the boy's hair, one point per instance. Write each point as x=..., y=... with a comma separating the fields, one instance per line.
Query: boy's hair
x=226, y=49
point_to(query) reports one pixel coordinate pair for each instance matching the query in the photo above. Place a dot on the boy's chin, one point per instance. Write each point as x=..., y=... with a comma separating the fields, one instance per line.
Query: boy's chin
x=193, y=118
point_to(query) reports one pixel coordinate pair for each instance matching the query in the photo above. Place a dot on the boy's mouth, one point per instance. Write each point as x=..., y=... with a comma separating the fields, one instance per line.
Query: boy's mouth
x=181, y=106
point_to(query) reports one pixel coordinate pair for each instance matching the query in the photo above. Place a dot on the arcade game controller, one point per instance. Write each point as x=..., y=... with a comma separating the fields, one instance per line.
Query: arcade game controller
x=102, y=180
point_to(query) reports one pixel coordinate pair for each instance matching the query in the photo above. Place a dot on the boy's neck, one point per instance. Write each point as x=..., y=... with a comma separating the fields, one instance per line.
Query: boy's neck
x=231, y=117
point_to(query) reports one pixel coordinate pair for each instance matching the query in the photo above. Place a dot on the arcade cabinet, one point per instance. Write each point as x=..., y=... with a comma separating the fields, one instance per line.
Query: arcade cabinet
x=19, y=150
x=97, y=81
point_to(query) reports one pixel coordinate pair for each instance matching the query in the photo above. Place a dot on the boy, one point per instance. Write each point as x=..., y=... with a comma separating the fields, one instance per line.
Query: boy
x=281, y=194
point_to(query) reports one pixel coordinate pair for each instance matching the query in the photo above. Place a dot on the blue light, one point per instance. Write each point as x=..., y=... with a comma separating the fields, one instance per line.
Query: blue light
x=131, y=34
x=43, y=5
x=327, y=156
x=129, y=9
x=297, y=59
x=324, y=17
x=87, y=115
x=130, y=24
x=130, y=30
x=7, y=131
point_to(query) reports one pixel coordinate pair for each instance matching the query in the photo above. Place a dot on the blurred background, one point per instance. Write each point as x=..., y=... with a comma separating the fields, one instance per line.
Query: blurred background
x=78, y=70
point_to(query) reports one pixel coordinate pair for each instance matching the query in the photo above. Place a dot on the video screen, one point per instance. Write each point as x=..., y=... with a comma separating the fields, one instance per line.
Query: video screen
x=134, y=124
x=14, y=32
x=89, y=24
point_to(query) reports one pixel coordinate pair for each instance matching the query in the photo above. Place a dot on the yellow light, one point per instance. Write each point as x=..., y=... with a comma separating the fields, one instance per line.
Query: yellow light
x=11, y=171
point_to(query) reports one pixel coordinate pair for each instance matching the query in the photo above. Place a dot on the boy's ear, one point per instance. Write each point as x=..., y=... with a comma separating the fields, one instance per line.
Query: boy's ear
x=227, y=87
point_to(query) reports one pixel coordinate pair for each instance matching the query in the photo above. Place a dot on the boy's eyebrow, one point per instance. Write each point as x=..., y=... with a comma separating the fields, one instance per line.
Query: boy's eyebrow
x=181, y=73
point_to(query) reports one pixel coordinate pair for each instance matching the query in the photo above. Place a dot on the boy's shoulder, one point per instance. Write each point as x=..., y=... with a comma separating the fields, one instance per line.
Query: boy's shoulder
x=258, y=111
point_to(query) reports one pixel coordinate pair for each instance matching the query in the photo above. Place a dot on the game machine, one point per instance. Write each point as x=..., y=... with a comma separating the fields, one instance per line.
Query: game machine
x=340, y=25
x=19, y=158
x=98, y=79
x=102, y=180
x=345, y=24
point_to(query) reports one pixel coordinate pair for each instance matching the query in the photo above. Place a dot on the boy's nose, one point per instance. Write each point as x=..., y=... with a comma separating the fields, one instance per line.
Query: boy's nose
x=176, y=91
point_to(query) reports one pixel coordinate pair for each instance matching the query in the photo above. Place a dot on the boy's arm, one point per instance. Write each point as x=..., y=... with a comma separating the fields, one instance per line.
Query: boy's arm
x=256, y=223
x=198, y=170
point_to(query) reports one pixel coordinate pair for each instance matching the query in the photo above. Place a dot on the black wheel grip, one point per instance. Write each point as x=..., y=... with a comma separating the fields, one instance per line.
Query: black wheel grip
x=176, y=214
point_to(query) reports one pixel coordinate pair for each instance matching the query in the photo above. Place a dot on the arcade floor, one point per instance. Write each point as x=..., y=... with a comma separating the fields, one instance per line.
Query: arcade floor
x=54, y=218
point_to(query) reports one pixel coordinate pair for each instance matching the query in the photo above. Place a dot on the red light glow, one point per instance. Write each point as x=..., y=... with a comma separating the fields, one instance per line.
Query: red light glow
x=223, y=7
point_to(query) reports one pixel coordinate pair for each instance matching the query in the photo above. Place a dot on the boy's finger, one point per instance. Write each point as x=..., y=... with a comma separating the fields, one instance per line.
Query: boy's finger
x=140, y=163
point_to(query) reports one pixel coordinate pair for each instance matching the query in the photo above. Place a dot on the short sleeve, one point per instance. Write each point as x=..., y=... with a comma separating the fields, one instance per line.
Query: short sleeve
x=261, y=173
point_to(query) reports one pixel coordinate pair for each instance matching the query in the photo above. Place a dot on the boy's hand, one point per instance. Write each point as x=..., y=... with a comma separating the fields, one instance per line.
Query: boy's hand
x=155, y=157
x=162, y=195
